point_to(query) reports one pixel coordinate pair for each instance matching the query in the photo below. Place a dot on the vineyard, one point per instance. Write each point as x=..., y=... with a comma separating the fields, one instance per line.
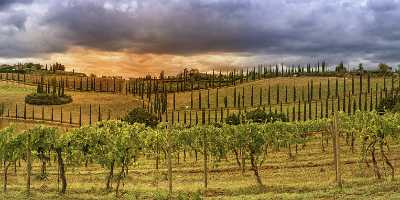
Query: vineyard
x=125, y=152
x=321, y=135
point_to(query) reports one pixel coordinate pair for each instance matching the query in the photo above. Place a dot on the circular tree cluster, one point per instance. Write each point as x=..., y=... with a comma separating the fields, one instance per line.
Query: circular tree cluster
x=51, y=93
x=47, y=99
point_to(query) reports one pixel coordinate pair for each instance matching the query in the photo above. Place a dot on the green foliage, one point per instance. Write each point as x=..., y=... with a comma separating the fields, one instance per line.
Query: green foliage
x=47, y=99
x=260, y=116
x=51, y=94
x=390, y=103
x=140, y=115
x=360, y=67
x=340, y=68
x=116, y=144
x=160, y=196
x=9, y=145
x=43, y=140
x=233, y=119
x=384, y=68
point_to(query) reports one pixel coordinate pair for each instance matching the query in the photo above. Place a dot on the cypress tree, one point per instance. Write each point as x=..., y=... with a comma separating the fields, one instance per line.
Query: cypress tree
x=286, y=94
x=238, y=100
x=294, y=94
x=312, y=90
x=327, y=108
x=337, y=88
x=252, y=95
x=320, y=91
x=361, y=83
x=294, y=112
x=174, y=101
x=200, y=99
x=321, y=110
x=329, y=88
x=191, y=99
x=349, y=104
x=384, y=86
x=366, y=102
x=369, y=82
x=370, y=102
x=217, y=95
x=298, y=112
x=269, y=95
x=305, y=111
x=277, y=94
x=376, y=95
x=208, y=98
x=352, y=84
x=234, y=97
x=243, y=97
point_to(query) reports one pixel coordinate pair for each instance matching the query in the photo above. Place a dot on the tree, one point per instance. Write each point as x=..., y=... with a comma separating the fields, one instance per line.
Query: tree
x=398, y=68
x=323, y=65
x=58, y=67
x=384, y=68
x=162, y=75
x=140, y=115
x=360, y=67
x=59, y=147
x=340, y=68
x=111, y=144
x=260, y=116
x=255, y=147
x=43, y=142
x=10, y=150
x=233, y=119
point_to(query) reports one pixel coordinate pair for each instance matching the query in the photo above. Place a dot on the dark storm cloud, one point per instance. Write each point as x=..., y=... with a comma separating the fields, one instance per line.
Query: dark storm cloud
x=7, y=3
x=359, y=28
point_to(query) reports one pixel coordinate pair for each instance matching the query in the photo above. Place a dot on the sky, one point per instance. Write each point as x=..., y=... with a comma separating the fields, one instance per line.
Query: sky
x=136, y=37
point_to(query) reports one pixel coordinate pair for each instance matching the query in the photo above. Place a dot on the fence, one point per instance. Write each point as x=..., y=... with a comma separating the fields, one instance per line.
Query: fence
x=68, y=115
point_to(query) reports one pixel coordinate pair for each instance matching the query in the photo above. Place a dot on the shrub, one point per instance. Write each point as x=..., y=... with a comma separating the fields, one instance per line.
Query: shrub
x=140, y=115
x=47, y=99
x=233, y=119
x=260, y=116
x=391, y=103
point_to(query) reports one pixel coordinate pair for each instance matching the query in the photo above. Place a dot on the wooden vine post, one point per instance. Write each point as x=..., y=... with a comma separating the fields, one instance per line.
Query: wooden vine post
x=205, y=151
x=336, y=150
x=28, y=165
x=169, y=163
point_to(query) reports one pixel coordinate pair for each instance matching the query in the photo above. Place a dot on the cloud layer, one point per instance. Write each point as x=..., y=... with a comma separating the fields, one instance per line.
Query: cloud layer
x=349, y=30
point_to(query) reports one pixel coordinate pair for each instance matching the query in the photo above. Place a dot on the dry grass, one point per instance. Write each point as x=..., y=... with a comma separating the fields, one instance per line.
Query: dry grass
x=117, y=105
x=183, y=100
